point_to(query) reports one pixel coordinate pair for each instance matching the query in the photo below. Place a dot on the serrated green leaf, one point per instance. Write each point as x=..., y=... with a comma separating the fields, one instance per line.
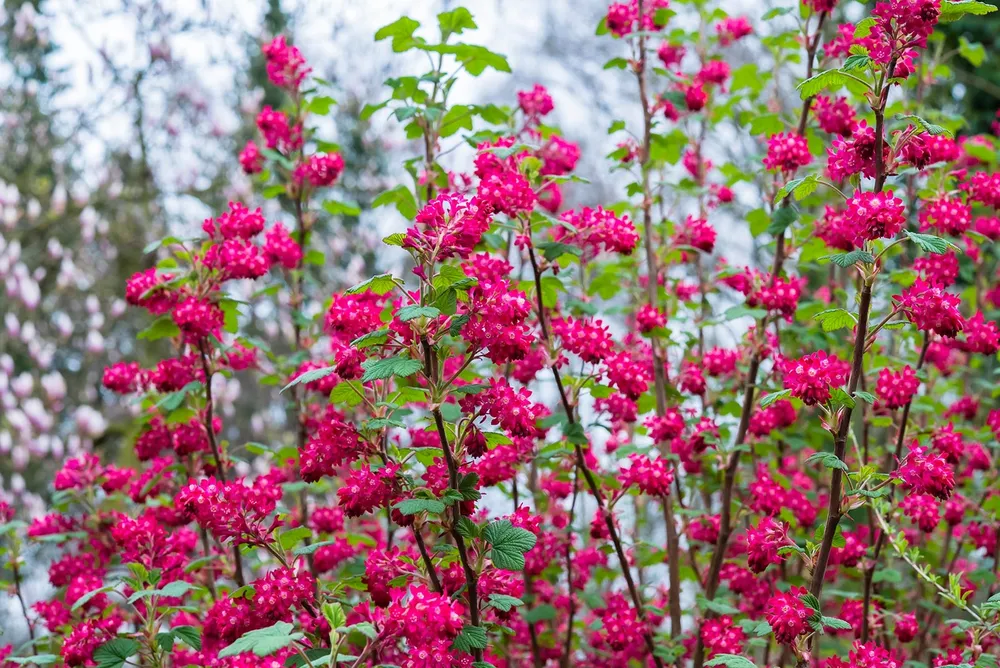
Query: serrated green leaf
x=380, y=369
x=508, y=544
x=263, y=642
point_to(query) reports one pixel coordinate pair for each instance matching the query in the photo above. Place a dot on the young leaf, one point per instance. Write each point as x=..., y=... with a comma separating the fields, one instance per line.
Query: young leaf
x=730, y=661
x=114, y=653
x=414, y=506
x=929, y=243
x=380, y=285
x=263, y=642
x=508, y=543
x=400, y=367
x=310, y=376
x=471, y=637
x=848, y=259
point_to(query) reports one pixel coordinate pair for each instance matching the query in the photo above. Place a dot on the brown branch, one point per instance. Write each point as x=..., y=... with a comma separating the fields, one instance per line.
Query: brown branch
x=652, y=294
x=588, y=475
x=471, y=579
x=220, y=464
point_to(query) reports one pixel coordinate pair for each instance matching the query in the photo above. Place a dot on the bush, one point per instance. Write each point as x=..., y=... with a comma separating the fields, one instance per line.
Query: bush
x=574, y=437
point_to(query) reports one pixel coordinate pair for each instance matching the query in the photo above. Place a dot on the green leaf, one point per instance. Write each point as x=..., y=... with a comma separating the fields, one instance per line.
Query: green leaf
x=838, y=397
x=400, y=367
x=730, y=661
x=851, y=258
x=401, y=31
x=413, y=312
x=552, y=250
x=781, y=220
x=719, y=607
x=974, y=52
x=503, y=602
x=349, y=392
x=539, y=613
x=310, y=376
x=828, y=459
x=165, y=640
x=867, y=397
x=321, y=105
x=776, y=12
x=414, y=506
x=457, y=118
x=292, y=537
x=856, y=62
x=468, y=486
x=335, y=208
x=161, y=328
x=401, y=197
x=471, y=637
x=303, y=550
x=82, y=601
x=466, y=528
x=929, y=128
x=113, y=654
x=817, y=83
x=478, y=58
x=37, y=659
x=742, y=311
x=189, y=634
x=952, y=11
x=769, y=399
x=800, y=188
x=455, y=22
x=929, y=243
x=263, y=642
x=863, y=28
x=376, y=338
x=835, y=318
x=369, y=110
x=766, y=124
x=174, y=400
x=887, y=575
x=380, y=285
x=835, y=623
x=809, y=600
x=508, y=543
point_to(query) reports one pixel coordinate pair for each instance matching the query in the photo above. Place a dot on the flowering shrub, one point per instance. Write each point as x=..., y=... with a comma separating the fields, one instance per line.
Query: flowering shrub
x=573, y=436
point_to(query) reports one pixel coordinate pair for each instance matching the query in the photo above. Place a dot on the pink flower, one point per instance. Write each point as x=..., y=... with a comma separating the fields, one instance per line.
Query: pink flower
x=366, y=490
x=810, y=378
x=449, y=225
x=320, y=170
x=286, y=68
x=535, y=102
x=946, y=216
x=280, y=248
x=835, y=116
x=932, y=309
x=651, y=476
x=907, y=627
x=788, y=615
x=875, y=215
x=927, y=473
x=896, y=389
x=123, y=377
x=786, y=152
x=198, y=318
x=251, y=159
x=596, y=230
x=763, y=542
x=732, y=29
